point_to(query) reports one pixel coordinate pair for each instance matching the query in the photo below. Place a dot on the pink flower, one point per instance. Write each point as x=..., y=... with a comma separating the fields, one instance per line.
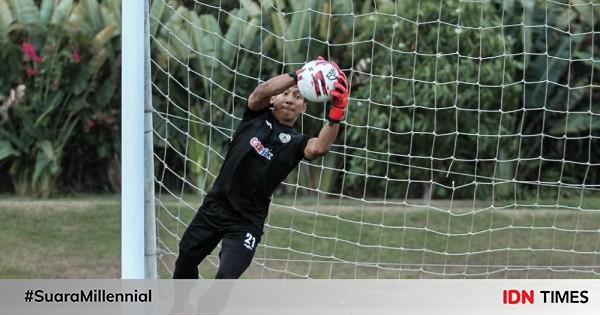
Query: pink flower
x=30, y=53
x=75, y=57
x=31, y=72
x=28, y=50
x=90, y=124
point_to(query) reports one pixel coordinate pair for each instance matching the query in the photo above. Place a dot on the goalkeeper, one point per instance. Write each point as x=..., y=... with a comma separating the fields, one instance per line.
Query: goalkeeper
x=263, y=151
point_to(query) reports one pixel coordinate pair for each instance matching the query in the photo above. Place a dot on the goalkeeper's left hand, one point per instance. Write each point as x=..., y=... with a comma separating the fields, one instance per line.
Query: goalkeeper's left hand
x=339, y=98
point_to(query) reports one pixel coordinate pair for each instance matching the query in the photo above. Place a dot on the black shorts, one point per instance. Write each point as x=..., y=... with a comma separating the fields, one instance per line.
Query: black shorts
x=204, y=234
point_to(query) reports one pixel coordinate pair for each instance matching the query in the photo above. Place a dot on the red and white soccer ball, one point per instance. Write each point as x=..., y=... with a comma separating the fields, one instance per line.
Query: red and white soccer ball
x=316, y=80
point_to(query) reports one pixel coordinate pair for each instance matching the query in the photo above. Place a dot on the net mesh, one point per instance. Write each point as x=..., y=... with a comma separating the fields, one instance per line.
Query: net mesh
x=469, y=150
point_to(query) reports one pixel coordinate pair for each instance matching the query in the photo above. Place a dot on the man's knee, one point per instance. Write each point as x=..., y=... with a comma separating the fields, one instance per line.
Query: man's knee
x=232, y=264
x=186, y=267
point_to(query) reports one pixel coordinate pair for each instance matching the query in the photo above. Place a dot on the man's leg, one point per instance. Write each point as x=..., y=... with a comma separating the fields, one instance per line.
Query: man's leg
x=237, y=251
x=198, y=240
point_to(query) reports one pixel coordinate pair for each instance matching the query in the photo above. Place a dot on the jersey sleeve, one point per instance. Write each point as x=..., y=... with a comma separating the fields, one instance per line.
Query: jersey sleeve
x=302, y=146
x=251, y=114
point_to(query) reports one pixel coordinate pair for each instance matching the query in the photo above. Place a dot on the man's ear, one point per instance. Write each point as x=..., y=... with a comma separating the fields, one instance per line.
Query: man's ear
x=304, y=106
x=272, y=101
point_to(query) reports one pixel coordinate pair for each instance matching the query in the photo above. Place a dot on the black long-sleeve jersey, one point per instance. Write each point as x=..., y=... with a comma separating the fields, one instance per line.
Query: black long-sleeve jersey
x=261, y=154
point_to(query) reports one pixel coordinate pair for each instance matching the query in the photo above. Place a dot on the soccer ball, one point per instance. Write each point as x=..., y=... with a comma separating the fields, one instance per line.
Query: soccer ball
x=316, y=80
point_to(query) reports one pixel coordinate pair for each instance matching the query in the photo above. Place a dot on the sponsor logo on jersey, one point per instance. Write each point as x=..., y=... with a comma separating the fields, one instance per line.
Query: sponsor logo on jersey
x=260, y=149
x=284, y=137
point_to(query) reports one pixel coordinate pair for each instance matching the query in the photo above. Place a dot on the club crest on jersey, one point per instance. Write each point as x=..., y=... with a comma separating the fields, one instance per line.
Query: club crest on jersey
x=260, y=149
x=284, y=137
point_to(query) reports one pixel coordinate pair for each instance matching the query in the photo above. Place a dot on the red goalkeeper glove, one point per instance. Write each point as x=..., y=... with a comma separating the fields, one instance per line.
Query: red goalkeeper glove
x=339, y=100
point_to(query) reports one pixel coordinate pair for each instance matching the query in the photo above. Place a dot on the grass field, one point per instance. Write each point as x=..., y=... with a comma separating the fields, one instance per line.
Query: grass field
x=354, y=239
x=60, y=238
x=79, y=237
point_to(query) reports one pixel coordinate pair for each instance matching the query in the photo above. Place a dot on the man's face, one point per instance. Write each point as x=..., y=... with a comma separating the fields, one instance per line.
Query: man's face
x=288, y=105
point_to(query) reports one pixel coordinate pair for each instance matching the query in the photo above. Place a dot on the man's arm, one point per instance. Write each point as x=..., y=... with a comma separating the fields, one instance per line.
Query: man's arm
x=261, y=96
x=320, y=145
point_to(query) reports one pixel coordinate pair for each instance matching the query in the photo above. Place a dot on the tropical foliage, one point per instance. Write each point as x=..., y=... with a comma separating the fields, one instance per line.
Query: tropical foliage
x=61, y=56
x=463, y=107
x=477, y=99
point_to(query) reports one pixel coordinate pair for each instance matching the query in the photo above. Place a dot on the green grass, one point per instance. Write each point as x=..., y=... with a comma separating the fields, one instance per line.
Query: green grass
x=391, y=243
x=399, y=241
x=80, y=238
x=60, y=238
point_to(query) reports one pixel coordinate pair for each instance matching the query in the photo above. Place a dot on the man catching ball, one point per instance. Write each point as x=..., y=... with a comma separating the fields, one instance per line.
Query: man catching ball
x=263, y=151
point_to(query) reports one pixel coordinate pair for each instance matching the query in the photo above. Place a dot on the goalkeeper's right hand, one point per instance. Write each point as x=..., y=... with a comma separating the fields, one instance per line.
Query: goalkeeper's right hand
x=339, y=98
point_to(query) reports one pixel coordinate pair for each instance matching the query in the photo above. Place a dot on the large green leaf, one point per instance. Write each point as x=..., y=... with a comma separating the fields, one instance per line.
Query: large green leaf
x=173, y=19
x=54, y=103
x=277, y=4
x=78, y=20
x=161, y=12
x=82, y=78
x=204, y=45
x=6, y=21
x=180, y=44
x=45, y=156
x=196, y=145
x=209, y=24
x=62, y=11
x=251, y=7
x=66, y=130
x=279, y=27
x=92, y=14
x=298, y=28
x=25, y=12
x=156, y=16
x=104, y=36
x=47, y=149
x=576, y=123
x=98, y=60
x=105, y=92
x=113, y=5
x=528, y=20
x=50, y=115
x=299, y=5
x=249, y=33
x=111, y=18
x=585, y=11
x=233, y=36
x=46, y=10
x=160, y=49
x=7, y=150
x=324, y=20
x=111, y=12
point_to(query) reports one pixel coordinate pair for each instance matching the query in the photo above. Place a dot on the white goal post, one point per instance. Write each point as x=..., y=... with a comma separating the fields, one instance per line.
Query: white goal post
x=470, y=148
x=138, y=232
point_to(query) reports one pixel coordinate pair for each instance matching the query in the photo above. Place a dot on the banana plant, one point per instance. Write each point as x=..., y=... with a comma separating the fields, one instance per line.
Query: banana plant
x=60, y=87
x=201, y=57
x=24, y=12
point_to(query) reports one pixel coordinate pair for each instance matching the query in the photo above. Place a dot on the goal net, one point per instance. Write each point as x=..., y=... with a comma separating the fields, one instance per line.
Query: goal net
x=470, y=147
